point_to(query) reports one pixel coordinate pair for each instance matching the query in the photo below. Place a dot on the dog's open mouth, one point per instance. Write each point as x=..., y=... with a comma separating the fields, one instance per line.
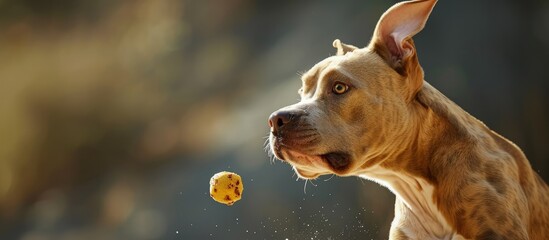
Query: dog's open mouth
x=337, y=160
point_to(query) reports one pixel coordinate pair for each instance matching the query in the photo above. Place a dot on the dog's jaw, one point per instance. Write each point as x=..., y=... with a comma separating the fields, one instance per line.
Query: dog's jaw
x=306, y=166
x=310, y=165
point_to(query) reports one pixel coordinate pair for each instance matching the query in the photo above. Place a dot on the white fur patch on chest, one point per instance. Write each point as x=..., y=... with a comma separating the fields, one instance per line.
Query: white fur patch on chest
x=416, y=214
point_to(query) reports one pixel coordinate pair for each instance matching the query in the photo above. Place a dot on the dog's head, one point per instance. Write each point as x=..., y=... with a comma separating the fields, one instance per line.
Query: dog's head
x=356, y=106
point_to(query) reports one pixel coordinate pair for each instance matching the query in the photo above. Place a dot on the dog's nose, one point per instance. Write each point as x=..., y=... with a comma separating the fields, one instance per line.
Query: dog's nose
x=280, y=118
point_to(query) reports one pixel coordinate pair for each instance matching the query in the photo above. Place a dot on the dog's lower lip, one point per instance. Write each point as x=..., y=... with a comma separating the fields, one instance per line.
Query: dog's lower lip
x=337, y=160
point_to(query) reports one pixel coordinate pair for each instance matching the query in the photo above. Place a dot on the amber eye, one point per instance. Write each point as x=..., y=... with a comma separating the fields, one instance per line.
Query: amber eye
x=340, y=88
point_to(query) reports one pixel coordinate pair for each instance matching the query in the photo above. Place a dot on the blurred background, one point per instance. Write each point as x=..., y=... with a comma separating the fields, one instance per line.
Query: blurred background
x=115, y=114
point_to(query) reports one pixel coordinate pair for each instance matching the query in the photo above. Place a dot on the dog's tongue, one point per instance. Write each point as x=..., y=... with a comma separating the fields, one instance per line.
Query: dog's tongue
x=338, y=161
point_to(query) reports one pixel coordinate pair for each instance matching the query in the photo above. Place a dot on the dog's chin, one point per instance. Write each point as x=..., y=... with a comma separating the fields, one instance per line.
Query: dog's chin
x=304, y=174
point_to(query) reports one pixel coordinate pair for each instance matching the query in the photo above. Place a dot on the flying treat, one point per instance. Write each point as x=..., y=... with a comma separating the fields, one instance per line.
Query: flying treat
x=226, y=187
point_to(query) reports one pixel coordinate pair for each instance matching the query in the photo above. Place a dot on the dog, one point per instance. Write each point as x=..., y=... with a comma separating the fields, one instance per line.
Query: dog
x=368, y=112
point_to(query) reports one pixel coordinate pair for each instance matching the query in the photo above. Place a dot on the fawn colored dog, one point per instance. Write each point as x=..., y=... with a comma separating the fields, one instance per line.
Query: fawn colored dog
x=368, y=112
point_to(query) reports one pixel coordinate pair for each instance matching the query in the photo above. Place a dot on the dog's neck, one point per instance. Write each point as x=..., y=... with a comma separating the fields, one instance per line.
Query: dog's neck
x=434, y=122
x=437, y=123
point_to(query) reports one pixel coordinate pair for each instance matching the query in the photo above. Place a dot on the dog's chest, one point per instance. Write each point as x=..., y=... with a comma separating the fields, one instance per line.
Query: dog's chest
x=416, y=214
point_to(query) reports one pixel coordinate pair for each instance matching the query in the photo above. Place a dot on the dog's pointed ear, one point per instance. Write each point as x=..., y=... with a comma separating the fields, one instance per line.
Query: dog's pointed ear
x=343, y=48
x=392, y=38
x=399, y=24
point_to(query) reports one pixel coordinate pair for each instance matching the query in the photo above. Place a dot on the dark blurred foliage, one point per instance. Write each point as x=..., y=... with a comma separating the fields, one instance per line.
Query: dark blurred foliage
x=115, y=114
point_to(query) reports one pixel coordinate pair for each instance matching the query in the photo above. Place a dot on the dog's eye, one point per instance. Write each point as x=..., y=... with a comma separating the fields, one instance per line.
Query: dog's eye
x=340, y=88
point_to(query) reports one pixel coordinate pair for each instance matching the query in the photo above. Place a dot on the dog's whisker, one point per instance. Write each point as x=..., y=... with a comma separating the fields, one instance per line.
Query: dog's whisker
x=305, y=186
x=325, y=180
x=362, y=181
x=312, y=183
x=268, y=149
x=272, y=158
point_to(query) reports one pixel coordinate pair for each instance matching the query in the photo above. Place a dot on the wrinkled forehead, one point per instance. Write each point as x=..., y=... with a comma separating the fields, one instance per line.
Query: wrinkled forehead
x=357, y=65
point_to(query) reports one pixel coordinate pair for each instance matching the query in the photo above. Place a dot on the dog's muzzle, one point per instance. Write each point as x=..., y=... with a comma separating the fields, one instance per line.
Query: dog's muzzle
x=288, y=131
x=294, y=140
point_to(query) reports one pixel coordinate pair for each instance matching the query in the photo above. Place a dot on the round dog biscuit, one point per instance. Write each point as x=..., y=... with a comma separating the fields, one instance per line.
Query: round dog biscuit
x=226, y=187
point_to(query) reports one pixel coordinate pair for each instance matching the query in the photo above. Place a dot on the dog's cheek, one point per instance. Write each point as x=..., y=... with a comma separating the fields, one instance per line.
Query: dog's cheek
x=356, y=115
